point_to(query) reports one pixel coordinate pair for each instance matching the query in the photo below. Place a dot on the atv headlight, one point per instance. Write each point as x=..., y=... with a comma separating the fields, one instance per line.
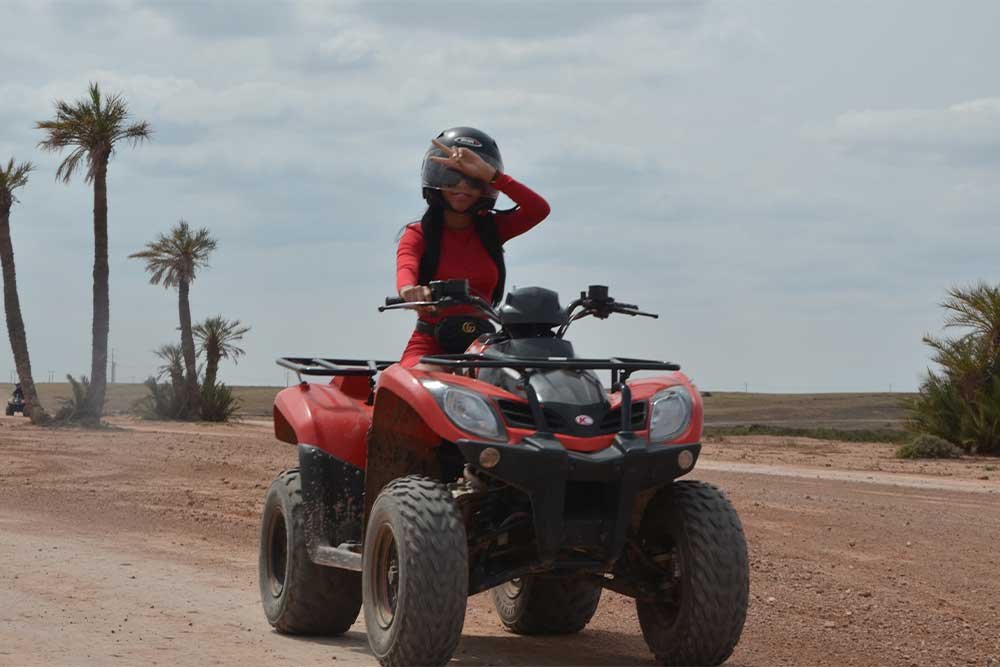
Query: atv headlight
x=670, y=414
x=468, y=410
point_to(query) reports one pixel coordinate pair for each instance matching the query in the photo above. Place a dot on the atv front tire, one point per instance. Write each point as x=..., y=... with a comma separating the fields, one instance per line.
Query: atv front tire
x=694, y=532
x=10, y=410
x=299, y=596
x=416, y=573
x=546, y=604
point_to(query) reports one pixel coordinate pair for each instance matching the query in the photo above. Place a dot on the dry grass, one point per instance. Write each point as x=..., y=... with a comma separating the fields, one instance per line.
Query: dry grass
x=256, y=401
x=833, y=411
x=722, y=409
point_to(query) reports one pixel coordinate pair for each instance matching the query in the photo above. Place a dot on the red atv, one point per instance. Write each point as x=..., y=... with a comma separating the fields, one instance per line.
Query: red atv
x=512, y=469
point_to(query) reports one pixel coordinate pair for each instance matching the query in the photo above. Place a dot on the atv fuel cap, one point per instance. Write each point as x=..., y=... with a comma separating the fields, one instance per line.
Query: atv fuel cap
x=489, y=457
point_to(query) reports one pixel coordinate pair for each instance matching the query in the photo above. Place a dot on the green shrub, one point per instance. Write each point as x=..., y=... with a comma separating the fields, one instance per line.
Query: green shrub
x=218, y=403
x=927, y=446
x=164, y=401
x=74, y=408
x=961, y=402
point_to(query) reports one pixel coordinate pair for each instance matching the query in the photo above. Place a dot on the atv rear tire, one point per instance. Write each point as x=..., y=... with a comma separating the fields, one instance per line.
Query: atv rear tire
x=299, y=596
x=546, y=604
x=416, y=573
x=699, y=619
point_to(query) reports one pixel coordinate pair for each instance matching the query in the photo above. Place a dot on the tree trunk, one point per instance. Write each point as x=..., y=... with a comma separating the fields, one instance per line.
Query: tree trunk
x=15, y=325
x=212, y=357
x=102, y=306
x=187, y=348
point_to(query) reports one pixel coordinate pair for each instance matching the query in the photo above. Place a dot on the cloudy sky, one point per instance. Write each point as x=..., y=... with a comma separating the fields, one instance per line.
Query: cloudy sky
x=791, y=185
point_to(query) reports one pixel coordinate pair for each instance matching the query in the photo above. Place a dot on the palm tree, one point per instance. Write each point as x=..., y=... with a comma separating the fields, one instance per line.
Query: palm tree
x=174, y=260
x=216, y=336
x=961, y=402
x=173, y=364
x=94, y=126
x=11, y=178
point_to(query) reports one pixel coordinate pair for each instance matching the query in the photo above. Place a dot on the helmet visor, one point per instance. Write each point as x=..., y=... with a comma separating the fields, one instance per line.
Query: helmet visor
x=438, y=176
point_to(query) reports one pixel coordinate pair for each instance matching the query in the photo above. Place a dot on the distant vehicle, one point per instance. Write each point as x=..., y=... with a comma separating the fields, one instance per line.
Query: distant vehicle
x=15, y=405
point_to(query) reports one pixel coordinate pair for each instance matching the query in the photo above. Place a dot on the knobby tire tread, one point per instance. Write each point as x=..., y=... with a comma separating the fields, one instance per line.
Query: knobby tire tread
x=548, y=605
x=316, y=600
x=432, y=546
x=714, y=567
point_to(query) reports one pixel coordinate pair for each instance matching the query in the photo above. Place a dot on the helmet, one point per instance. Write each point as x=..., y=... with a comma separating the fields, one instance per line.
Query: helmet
x=435, y=176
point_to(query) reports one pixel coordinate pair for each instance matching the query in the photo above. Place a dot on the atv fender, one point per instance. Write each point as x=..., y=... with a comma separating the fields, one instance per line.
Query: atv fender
x=323, y=416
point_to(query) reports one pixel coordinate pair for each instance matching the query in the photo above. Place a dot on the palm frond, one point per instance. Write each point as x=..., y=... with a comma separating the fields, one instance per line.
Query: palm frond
x=216, y=336
x=93, y=125
x=177, y=256
x=12, y=177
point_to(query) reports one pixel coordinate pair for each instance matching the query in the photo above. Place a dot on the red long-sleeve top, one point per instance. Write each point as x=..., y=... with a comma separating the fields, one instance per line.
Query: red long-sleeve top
x=462, y=253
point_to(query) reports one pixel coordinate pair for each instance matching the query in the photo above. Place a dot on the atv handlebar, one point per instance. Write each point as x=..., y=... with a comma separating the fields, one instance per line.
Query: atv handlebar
x=444, y=294
x=449, y=293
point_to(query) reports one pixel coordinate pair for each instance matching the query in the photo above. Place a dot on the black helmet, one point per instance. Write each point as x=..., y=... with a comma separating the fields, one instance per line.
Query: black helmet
x=435, y=176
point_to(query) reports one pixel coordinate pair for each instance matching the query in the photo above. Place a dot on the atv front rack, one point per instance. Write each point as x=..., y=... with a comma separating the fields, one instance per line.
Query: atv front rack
x=621, y=368
x=328, y=367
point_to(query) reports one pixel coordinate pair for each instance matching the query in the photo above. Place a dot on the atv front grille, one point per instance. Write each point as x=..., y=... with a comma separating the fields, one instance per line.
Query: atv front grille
x=518, y=415
x=613, y=420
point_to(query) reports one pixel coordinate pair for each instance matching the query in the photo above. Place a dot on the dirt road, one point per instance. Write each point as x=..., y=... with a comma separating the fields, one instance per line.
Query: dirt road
x=137, y=545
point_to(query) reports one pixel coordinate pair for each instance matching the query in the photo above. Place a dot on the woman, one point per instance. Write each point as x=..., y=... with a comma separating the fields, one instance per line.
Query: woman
x=460, y=236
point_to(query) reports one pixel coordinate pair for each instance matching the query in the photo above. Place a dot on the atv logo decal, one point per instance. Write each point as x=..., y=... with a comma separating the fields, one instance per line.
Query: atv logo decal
x=469, y=327
x=468, y=141
x=584, y=420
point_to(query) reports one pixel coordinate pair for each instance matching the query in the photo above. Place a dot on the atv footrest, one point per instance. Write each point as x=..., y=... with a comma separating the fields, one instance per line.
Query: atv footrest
x=343, y=557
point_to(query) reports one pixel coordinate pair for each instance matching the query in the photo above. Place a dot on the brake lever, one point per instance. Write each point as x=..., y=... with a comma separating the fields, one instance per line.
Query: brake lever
x=409, y=305
x=635, y=311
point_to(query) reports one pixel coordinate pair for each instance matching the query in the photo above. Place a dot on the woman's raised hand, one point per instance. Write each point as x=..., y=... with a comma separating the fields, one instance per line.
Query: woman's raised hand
x=463, y=160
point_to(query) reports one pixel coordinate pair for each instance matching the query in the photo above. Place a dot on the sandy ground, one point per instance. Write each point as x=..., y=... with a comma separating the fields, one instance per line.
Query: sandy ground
x=137, y=545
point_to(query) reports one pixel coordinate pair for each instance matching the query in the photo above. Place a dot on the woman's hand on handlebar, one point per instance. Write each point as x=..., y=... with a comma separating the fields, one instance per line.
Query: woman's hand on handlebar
x=414, y=293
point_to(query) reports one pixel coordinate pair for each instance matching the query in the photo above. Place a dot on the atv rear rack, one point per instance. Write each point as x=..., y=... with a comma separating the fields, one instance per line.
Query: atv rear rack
x=328, y=367
x=621, y=368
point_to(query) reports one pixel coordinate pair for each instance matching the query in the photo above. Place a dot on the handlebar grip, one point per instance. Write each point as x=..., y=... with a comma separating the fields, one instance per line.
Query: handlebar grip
x=394, y=300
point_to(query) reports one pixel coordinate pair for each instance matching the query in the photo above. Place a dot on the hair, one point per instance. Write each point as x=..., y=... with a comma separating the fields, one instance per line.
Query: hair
x=432, y=226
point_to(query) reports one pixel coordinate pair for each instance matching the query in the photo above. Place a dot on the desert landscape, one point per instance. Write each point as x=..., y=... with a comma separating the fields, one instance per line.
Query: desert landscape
x=137, y=543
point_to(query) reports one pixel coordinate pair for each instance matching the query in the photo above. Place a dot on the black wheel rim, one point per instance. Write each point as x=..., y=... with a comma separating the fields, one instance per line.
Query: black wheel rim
x=277, y=550
x=384, y=586
x=670, y=584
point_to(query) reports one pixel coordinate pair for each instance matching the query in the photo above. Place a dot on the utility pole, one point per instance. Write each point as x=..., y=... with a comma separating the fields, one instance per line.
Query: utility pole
x=51, y=376
x=113, y=365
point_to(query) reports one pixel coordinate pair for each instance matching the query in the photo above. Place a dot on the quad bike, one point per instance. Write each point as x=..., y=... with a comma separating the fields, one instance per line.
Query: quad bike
x=16, y=405
x=510, y=469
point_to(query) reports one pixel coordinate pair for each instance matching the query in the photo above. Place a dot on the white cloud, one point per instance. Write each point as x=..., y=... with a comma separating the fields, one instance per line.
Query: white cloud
x=967, y=133
x=671, y=139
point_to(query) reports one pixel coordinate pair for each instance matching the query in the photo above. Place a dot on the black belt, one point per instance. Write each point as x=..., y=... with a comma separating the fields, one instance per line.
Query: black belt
x=455, y=334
